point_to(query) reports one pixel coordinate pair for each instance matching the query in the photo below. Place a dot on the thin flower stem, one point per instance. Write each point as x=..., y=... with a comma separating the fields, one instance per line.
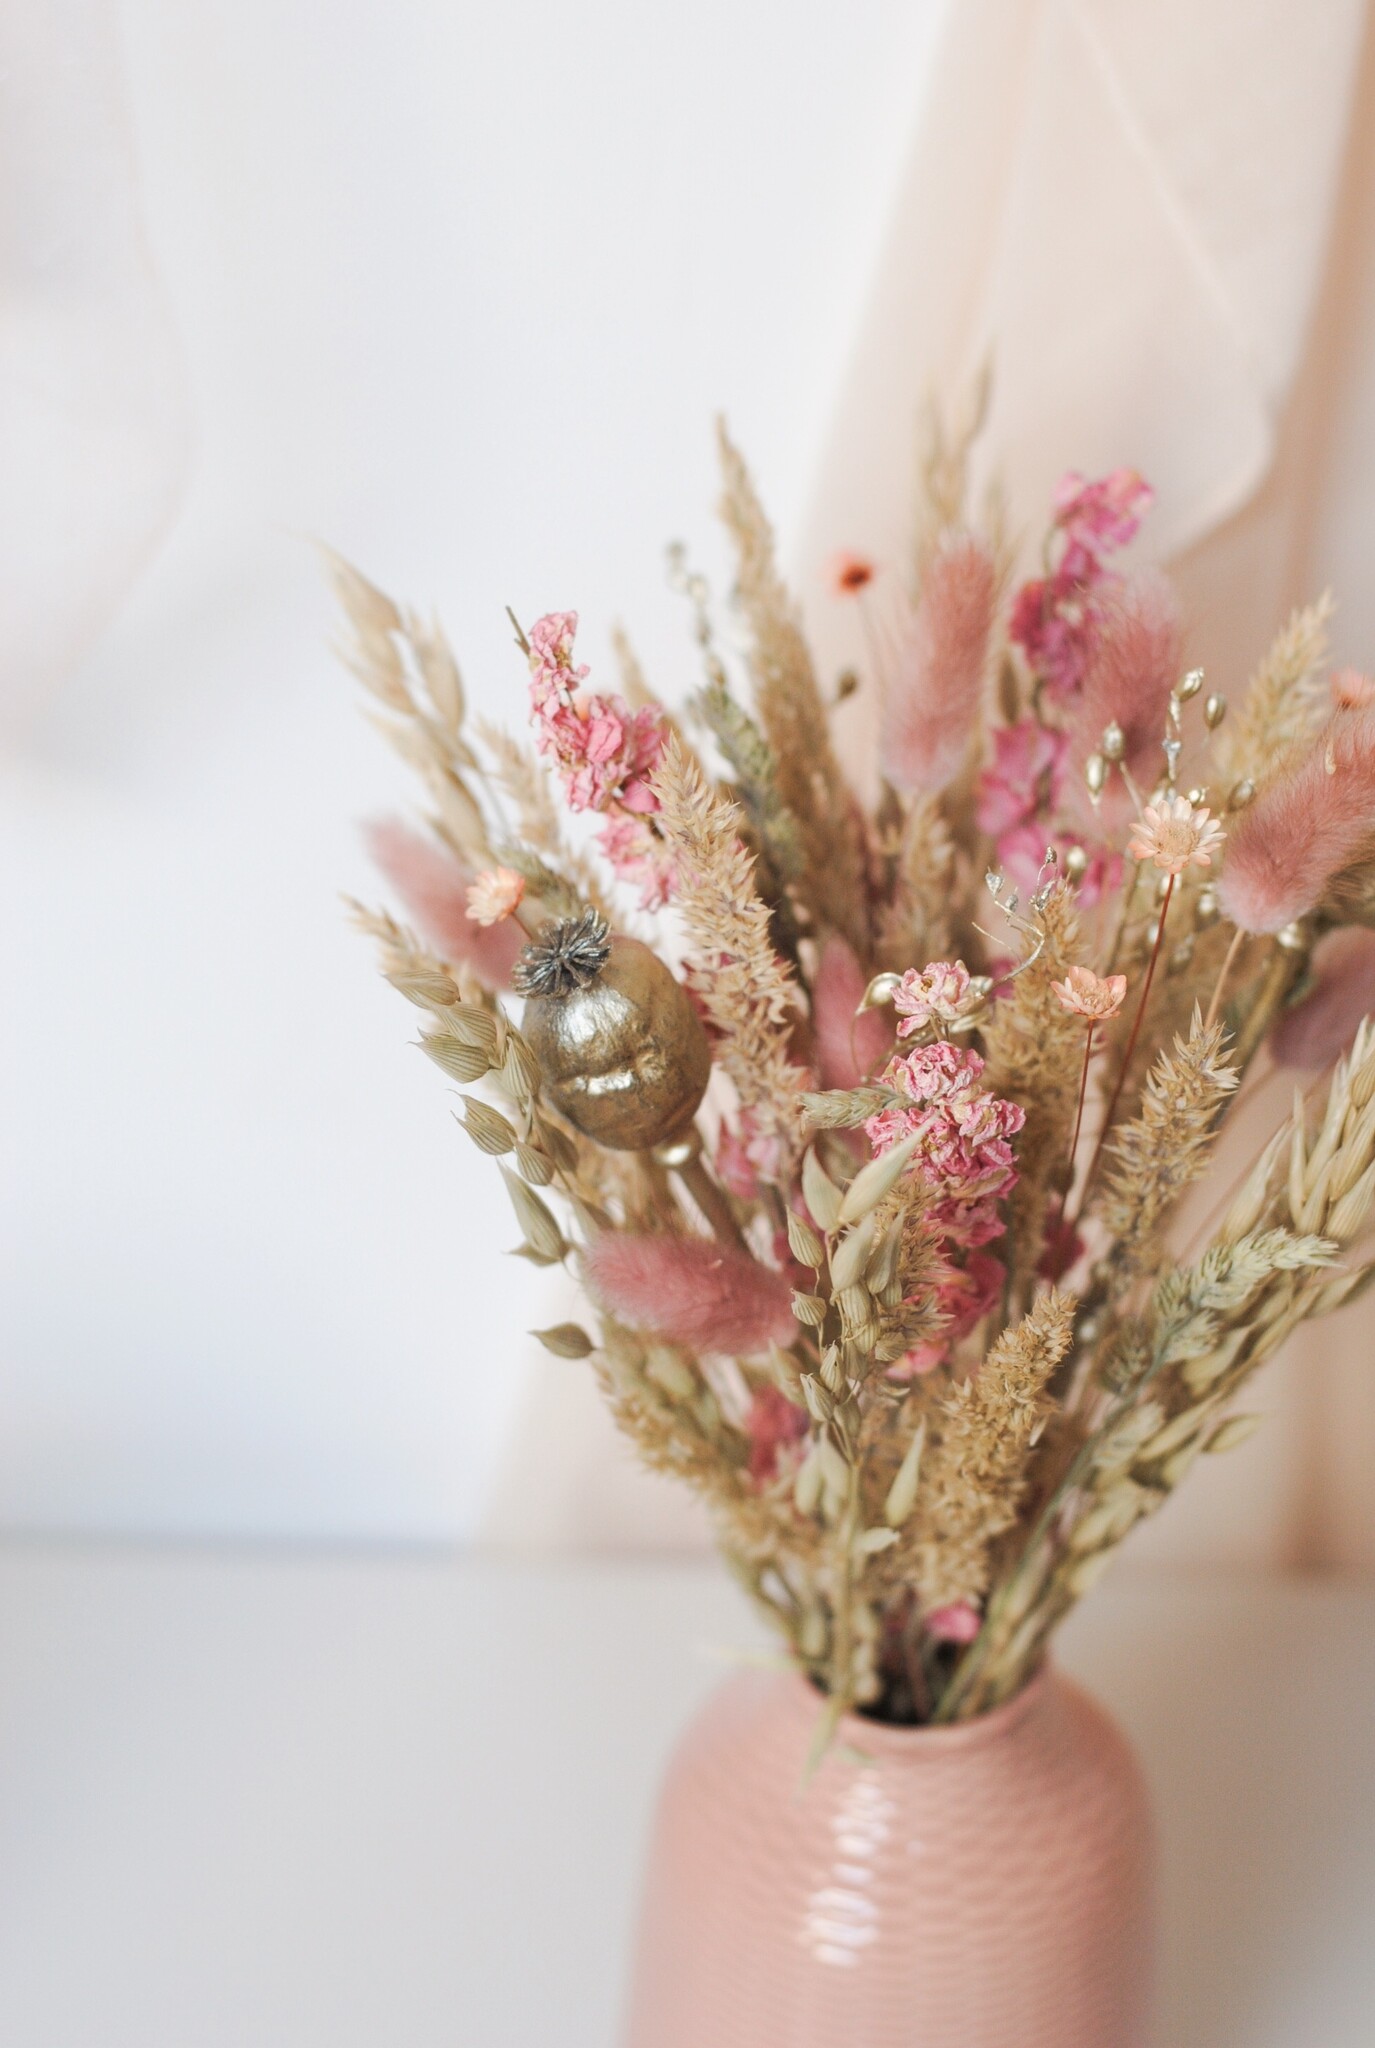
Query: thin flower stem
x=1083, y=1092
x=711, y=1200
x=1128, y=898
x=1122, y=1070
x=1215, y=1005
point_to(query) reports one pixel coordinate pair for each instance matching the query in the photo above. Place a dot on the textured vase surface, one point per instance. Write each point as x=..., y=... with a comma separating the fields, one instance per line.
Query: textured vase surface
x=985, y=1886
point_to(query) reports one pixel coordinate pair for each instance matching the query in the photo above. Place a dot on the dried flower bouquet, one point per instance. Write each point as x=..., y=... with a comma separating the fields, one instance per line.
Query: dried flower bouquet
x=867, y=1171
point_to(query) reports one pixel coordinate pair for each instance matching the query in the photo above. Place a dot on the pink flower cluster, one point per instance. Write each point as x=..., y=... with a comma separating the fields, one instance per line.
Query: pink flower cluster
x=964, y=1152
x=966, y=1159
x=605, y=753
x=1055, y=617
x=935, y=993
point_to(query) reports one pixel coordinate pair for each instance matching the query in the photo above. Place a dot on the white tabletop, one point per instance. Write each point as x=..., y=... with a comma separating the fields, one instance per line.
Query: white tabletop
x=255, y=1801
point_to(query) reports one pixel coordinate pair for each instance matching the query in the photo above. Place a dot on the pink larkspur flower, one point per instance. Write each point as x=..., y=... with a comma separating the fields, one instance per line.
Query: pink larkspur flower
x=1054, y=624
x=1103, y=514
x=1024, y=778
x=938, y=991
x=1056, y=618
x=605, y=752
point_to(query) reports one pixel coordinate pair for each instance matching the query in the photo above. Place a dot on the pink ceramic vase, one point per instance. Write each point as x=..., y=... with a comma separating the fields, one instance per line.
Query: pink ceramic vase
x=984, y=1886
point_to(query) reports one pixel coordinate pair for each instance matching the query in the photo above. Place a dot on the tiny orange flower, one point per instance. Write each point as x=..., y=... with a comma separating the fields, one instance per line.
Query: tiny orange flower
x=1090, y=995
x=494, y=895
x=1352, y=691
x=848, y=574
x=1175, y=836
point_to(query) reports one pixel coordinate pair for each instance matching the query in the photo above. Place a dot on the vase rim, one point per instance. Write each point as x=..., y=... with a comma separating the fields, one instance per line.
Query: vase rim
x=929, y=1740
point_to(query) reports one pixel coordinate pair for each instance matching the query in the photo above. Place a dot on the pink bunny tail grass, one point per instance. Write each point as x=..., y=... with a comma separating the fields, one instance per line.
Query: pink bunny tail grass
x=847, y=1047
x=1134, y=665
x=433, y=887
x=1293, y=840
x=938, y=672
x=691, y=1291
x=1324, y=1024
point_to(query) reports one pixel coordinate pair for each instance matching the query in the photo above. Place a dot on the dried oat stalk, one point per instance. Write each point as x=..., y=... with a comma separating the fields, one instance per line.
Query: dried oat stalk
x=831, y=878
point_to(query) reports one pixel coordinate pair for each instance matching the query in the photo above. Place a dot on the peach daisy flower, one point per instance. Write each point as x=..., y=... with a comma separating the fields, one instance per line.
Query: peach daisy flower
x=1175, y=836
x=494, y=895
x=1090, y=995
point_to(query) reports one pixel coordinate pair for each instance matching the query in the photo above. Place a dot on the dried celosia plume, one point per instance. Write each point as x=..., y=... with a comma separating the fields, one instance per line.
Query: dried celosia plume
x=1323, y=1025
x=932, y=698
x=1298, y=834
x=434, y=887
x=691, y=1291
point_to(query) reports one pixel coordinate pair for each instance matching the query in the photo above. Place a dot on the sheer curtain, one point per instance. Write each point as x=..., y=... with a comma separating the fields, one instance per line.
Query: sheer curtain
x=1159, y=223
x=94, y=433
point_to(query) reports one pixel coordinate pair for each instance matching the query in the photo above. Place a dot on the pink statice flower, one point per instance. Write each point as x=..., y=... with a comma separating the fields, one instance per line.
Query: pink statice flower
x=964, y=1156
x=936, y=992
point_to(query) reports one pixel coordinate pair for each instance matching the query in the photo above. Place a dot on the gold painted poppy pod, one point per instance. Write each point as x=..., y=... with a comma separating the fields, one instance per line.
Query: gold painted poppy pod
x=621, y=1050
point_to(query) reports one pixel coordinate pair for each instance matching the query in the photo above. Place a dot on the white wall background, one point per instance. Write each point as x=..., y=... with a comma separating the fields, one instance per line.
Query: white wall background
x=458, y=288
